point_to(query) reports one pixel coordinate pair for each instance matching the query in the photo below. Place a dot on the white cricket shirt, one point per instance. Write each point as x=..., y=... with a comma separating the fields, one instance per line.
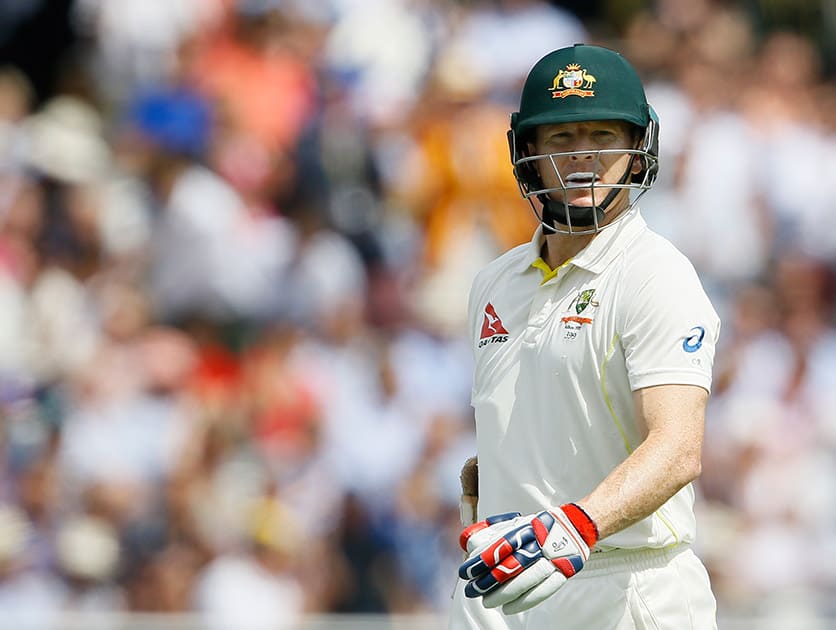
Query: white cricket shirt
x=557, y=357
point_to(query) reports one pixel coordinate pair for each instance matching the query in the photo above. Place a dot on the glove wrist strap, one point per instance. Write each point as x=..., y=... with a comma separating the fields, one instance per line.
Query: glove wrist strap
x=583, y=523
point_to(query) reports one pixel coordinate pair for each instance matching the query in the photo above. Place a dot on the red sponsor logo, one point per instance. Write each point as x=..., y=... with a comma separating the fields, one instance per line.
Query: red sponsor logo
x=493, y=331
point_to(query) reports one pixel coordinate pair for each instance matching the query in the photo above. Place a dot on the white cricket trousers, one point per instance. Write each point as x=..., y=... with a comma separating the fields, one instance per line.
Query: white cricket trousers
x=644, y=589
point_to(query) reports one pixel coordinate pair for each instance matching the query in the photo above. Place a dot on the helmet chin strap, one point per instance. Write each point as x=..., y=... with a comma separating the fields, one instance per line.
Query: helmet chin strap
x=579, y=216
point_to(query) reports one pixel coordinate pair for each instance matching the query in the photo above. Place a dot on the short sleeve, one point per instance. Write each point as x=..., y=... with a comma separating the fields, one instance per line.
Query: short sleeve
x=669, y=328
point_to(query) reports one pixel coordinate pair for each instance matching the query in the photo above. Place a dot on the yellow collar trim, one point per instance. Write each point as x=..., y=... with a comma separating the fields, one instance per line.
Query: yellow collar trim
x=548, y=272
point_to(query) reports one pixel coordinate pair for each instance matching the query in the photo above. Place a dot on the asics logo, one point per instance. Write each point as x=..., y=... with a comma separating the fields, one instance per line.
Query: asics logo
x=693, y=341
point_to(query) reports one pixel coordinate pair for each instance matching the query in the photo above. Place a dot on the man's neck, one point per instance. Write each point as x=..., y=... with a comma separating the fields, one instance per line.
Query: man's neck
x=558, y=248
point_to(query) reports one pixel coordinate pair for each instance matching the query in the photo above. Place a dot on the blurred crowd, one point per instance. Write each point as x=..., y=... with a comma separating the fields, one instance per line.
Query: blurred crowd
x=236, y=241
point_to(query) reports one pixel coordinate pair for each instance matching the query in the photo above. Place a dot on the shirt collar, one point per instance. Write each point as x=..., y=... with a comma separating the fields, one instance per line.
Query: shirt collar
x=601, y=250
x=532, y=250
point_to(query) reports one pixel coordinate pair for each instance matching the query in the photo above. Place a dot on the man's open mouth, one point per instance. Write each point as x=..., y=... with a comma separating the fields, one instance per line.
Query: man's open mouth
x=580, y=180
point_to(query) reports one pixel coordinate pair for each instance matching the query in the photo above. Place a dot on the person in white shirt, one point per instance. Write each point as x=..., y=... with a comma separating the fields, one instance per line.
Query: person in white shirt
x=593, y=345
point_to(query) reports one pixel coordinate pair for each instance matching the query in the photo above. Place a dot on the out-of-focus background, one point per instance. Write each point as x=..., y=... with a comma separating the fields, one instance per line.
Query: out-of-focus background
x=236, y=240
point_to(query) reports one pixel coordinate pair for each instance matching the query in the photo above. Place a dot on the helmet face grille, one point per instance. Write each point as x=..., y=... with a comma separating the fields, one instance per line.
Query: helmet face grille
x=561, y=216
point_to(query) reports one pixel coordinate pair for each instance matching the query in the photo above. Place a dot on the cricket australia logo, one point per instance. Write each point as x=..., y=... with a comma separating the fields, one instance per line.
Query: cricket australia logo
x=584, y=299
x=572, y=81
x=573, y=323
x=492, y=329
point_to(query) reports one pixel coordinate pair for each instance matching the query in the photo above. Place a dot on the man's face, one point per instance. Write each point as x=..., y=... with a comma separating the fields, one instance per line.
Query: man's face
x=580, y=170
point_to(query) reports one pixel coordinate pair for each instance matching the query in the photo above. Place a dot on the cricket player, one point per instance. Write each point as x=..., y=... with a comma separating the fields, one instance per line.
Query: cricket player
x=593, y=345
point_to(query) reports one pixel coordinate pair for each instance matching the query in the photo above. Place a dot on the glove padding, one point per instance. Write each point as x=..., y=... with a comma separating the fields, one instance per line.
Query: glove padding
x=519, y=561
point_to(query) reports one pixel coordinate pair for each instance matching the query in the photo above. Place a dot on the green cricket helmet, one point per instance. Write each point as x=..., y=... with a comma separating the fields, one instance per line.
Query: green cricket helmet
x=574, y=84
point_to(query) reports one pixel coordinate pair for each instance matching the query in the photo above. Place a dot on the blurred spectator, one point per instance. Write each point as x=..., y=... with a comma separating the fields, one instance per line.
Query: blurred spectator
x=232, y=258
x=27, y=596
x=262, y=89
x=285, y=412
x=452, y=177
x=41, y=267
x=802, y=220
x=16, y=100
x=138, y=42
x=519, y=32
x=314, y=293
x=255, y=590
x=381, y=52
x=66, y=141
x=87, y=553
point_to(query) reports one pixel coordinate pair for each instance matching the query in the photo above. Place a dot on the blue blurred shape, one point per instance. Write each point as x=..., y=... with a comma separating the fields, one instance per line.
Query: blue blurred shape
x=176, y=119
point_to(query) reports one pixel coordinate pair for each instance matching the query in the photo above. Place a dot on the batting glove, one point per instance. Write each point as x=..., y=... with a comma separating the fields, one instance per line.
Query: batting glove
x=519, y=561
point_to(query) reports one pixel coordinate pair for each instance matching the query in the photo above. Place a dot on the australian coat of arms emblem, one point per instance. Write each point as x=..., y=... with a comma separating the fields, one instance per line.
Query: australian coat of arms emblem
x=572, y=81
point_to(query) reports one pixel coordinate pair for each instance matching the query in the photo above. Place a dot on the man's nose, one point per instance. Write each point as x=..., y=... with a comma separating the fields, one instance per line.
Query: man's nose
x=582, y=154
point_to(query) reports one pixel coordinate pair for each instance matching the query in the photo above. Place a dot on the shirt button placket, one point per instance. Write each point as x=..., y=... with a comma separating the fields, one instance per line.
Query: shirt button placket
x=541, y=308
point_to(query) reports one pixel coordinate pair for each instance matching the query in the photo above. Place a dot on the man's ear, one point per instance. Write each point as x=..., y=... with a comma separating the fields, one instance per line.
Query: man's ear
x=529, y=148
x=637, y=166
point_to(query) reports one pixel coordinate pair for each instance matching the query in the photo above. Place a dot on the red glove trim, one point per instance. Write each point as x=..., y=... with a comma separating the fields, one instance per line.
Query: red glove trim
x=583, y=523
x=468, y=531
x=564, y=566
